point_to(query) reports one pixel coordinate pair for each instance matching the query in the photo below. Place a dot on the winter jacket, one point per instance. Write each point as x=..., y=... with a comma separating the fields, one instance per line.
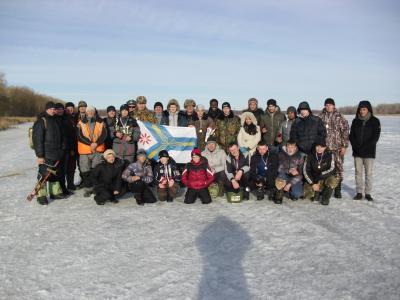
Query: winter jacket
x=245, y=139
x=108, y=176
x=306, y=131
x=337, y=129
x=287, y=162
x=91, y=132
x=197, y=176
x=258, y=163
x=258, y=113
x=214, y=114
x=181, y=119
x=316, y=169
x=145, y=116
x=272, y=122
x=190, y=119
x=167, y=172
x=201, y=126
x=285, y=130
x=227, y=129
x=109, y=123
x=48, y=139
x=364, y=134
x=216, y=159
x=144, y=171
x=70, y=133
x=232, y=166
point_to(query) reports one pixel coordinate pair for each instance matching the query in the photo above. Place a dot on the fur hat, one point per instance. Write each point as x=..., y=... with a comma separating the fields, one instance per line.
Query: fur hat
x=163, y=153
x=108, y=152
x=271, y=102
x=189, y=102
x=252, y=100
x=329, y=101
x=173, y=102
x=196, y=151
x=212, y=139
x=82, y=104
x=90, y=108
x=141, y=100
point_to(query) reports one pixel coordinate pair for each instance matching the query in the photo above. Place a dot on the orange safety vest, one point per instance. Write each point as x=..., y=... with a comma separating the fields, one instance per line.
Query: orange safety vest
x=85, y=128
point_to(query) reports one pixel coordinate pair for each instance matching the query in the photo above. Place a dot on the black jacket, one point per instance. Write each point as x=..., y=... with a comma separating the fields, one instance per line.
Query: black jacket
x=272, y=166
x=48, y=139
x=182, y=120
x=364, y=135
x=314, y=171
x=108, y=176
x=306, y=131
x=213, y=114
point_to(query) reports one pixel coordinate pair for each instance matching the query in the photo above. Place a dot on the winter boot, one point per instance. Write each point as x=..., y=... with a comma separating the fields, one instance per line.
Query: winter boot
x=246, y=193
x=42, y=200
x=369, y=197
x=358, y=196
x=338, y=190
x=326, y=195
x=139, y=199
x=278, y=197
x=260, y=193
x=221, y=191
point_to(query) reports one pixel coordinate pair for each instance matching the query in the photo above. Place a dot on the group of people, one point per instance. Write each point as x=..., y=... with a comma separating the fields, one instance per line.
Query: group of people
x=264, y=152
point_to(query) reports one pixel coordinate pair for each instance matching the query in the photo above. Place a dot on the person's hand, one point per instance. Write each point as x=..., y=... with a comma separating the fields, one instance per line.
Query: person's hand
x=40, y=161
x=343, y=151
x=93, y=146
x=135, y=178
x=128, y=138
x=116, y=192
x=119, y=135
x=235, y=184
x=315, y=187
x=238, y=175
x=171, y=183
x=279, y=139
x=264, y=130
x=293, y=172
x=287, y=187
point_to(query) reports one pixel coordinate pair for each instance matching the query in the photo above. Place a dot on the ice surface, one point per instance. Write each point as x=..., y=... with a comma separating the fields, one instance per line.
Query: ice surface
x=74, y=249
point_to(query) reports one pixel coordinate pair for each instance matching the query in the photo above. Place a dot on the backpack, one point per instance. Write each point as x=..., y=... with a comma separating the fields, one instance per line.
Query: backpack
x=30, y=132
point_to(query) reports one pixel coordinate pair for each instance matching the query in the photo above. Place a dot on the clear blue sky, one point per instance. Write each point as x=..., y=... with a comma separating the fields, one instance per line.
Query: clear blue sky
x=107, y=52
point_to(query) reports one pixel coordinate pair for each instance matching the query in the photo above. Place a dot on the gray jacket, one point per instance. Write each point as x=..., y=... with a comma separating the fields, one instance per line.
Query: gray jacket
x=216, y=159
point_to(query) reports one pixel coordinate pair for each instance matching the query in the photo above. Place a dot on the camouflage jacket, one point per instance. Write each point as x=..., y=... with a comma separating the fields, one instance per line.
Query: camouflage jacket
x=337, y=129
x=273, y=123
x=227, y=129
x=145, y=116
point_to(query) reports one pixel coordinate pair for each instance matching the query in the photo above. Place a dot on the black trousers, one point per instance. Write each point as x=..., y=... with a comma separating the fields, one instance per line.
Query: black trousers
x=142, y=192
x=103, y=193
x=243, y=183
x=191, y=196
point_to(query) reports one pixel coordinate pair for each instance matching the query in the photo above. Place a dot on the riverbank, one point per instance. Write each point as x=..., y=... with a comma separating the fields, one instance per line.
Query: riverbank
x=8, y=122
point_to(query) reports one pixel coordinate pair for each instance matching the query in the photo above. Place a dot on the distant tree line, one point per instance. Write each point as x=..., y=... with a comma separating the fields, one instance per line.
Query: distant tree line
x=380, y=109
x=21, y=101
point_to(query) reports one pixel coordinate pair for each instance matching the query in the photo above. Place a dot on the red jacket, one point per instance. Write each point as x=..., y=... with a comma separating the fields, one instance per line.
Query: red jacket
x=197, y=176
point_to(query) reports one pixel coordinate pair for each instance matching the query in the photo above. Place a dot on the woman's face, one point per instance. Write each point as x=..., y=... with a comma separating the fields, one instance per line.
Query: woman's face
x=164, y=160
x=110, y=158
x=124, y=113
x=248, y=120
x=172, y=108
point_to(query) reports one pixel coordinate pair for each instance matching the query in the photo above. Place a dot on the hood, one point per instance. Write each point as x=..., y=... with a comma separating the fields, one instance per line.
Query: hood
x=244, y=115
x=365, y=103
x=284, y=150
x=171, y=102
x=304, y=105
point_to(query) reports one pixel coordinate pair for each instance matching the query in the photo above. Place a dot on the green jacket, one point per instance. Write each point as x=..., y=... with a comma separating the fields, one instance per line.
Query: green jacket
x=227, y=129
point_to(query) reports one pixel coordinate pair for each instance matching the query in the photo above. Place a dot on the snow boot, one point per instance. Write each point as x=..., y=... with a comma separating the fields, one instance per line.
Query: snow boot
x=326, y=195
x=278, y=197
x=42, y=200
x=338, y=190
x=260, y=193
x=358, y=196
x=369, y=197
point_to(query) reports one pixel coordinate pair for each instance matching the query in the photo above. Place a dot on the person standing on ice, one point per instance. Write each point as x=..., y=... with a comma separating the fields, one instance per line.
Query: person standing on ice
x=319, y=171
x=197, y=176
x=91, y=144
x=49, y=145
x=364, y=135
x=271, y=123
x=337, y=138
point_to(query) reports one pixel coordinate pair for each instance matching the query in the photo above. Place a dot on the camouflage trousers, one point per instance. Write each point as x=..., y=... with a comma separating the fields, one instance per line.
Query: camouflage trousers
x=339, y=162
x=330, y=182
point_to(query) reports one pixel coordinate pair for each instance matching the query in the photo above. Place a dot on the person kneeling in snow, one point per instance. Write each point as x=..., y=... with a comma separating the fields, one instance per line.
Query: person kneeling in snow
x=167, y=175
x=320, y=173
x=197, y=176
x=139, y=175
x=106, y=178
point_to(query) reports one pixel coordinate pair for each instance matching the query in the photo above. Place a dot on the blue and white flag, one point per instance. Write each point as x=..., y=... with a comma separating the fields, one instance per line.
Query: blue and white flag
x=178, y=141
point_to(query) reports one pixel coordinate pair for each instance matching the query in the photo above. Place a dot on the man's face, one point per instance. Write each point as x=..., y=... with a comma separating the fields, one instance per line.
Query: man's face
x=320, y=149
x=124, y=113
x=226, y=110
x=291, y=148
x=164, y=160
x=234, y=150
x=141, y=159
x=141, y=106
x=291, y=115
x=304, y=113
x=82, y=109
x=262, y=149
x=271, y=108
x=211, y=146
x=200, y=113
x=51, y=111
x=60, y=111
x=329, y=107
x=214, y=105
x=110, y=158
x=172, y=108
x=69, y=110
x=189, y=109
x=363, y=111
x=111, y=114
x=158, y=110
x=90, y=113
x=131, y=107
x=253, y=105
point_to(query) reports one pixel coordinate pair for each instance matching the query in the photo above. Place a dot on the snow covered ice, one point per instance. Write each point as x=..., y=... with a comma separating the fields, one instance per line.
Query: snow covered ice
x=74, y=249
